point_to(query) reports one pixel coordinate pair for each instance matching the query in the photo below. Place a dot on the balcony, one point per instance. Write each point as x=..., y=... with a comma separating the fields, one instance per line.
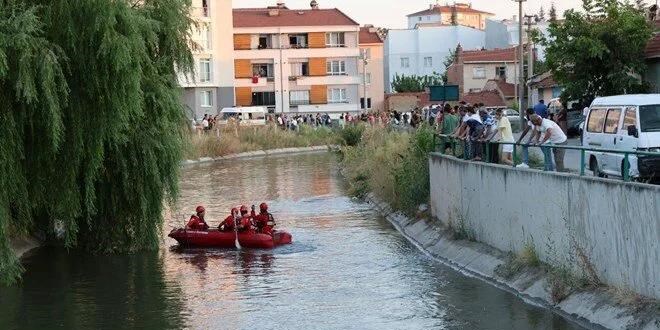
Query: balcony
x=296, y=103
x=248, y=82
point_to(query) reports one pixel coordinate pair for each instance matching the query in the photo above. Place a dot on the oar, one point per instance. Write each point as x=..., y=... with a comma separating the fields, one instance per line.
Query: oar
x=236, y=243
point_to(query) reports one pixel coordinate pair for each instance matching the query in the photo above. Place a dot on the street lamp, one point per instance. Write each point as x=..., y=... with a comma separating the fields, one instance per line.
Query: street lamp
x=521, y=67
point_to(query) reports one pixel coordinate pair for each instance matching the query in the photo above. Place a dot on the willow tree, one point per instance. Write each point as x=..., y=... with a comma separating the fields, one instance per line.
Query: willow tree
x=92, y=123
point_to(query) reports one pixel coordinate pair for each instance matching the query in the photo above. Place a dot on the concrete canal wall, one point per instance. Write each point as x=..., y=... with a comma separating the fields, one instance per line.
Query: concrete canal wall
x=606, y=227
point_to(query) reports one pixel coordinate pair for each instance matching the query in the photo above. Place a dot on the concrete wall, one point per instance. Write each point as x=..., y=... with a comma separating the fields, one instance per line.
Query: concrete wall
x=615, y=224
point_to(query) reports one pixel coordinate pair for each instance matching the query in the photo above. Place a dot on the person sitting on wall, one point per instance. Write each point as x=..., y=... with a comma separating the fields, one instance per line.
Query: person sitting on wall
x=197, y=221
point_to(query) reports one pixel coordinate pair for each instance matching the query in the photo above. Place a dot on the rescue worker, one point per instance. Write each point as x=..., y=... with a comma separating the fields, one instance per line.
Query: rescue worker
x=264, y=220
x=197, y=221
x=230, y=221
x=245, y=221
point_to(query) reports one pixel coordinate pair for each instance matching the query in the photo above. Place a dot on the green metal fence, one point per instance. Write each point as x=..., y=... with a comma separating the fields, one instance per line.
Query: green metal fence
x=455, y=142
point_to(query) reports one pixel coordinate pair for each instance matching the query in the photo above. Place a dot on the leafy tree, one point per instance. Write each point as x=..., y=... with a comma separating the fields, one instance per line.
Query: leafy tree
x=598, y=55
x=415, y=83
x=92, y=121
x=449, y=60
x=542, y=14
x=454, y=15
x=553, y=13
x=641, y=5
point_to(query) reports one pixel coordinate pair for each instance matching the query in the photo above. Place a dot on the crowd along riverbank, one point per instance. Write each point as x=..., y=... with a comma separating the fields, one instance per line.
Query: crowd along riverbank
x=391, y=171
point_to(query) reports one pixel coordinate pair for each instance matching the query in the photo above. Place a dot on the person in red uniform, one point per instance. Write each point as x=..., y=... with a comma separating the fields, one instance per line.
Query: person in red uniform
x=245, y=223
x=197, y=221
x=264, y=220
x=229, y=222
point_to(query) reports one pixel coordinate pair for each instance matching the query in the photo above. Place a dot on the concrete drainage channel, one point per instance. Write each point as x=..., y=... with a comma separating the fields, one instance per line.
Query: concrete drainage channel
x=590, y=309
x=260, y=153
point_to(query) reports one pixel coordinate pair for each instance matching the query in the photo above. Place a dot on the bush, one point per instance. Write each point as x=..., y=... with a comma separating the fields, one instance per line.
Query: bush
x=352, y=134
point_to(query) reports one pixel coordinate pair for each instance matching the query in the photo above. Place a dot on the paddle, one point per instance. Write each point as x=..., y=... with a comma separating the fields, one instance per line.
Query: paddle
x=236, y=243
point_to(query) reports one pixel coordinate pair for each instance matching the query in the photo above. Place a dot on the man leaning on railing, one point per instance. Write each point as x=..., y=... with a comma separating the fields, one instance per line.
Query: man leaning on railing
x=529, y=127
x=550, y=134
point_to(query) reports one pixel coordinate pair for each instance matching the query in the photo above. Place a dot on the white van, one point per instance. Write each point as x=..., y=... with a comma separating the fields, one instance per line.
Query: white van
x=248, y=116
x=626, y=123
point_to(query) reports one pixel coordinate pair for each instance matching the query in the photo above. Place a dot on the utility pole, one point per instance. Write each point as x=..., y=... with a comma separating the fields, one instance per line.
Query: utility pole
x=521, y=68
x=530, y=20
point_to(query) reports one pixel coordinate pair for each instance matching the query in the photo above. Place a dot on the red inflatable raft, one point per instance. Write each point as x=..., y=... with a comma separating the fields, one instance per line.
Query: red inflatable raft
x=215, y=238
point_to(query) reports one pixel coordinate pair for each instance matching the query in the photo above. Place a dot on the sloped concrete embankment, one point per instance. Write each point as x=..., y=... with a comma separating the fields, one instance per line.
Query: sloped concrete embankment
x=260, y=153
x=591, y=309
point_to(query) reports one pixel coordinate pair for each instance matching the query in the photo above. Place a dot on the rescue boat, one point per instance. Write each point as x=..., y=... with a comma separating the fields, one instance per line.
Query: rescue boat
x=220, y=239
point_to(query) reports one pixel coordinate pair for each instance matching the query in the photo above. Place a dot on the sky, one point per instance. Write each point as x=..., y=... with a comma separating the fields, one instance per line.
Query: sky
x=392, y=13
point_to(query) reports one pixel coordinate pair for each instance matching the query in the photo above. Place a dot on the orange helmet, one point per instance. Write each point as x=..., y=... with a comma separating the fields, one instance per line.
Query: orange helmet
x=263, y=207
x=200, y=209
x=234, y=210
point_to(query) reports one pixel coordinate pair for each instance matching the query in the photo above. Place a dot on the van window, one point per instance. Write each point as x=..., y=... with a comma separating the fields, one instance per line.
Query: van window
x=649, y=118
x=596, y=120
x=630, y=118
x=612, y=121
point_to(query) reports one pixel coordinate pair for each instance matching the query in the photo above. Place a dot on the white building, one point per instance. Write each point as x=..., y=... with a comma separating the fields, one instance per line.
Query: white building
x=422, y=51
x=212, y=87
x=296, y=60
x=438, y=15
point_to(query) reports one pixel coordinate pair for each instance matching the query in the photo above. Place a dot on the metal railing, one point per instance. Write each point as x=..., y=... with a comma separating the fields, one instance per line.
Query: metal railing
x=454, y=141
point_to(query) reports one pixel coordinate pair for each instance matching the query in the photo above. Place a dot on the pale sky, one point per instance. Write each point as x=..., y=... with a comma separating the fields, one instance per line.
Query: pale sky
x=392, y=13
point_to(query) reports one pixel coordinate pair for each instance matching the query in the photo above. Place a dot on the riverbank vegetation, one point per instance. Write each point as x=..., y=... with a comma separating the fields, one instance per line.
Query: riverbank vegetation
x=391, y=164
x=231, y=141
x=92, y=124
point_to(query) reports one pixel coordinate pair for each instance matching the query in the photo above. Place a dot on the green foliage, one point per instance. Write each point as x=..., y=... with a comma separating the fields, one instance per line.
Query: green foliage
x=449, y=60
x=92, y=120
x=454, y=15
x=415, y=83
x=352, y=134
x=392, y=165
x=553, y=13
x=599, y=52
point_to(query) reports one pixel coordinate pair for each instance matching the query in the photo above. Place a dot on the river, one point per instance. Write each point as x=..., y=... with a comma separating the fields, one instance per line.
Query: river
x=347, y=269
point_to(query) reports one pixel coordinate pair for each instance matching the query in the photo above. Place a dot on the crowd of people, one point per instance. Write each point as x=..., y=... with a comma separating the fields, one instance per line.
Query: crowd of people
x=476, y=126
x=238, y=220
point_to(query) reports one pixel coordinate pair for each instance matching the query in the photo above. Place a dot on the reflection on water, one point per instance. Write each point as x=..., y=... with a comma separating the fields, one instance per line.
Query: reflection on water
x=347, y=269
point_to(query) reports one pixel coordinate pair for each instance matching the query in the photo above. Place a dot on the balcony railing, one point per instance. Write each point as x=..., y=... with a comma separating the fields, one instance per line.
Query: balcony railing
x=295, y=103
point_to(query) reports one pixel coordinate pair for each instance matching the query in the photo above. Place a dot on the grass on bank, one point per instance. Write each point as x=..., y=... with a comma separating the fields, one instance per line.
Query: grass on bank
x=247, y=139
x=391, y=164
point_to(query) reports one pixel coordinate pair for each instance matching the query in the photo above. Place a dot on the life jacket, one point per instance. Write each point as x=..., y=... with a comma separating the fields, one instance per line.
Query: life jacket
x=196, y=223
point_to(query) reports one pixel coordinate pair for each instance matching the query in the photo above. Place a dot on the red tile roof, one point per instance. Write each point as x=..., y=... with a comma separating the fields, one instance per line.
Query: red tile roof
x=653, y=47
x=448, y=9
x=367, y=37
x=488, y=98
x=259, y=17
x=495, y=55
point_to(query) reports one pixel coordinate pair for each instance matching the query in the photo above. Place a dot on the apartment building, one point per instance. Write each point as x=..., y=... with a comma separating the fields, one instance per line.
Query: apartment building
x=438, y=15
x=211, y=88
x=371, y=47
x=472, y=70
x=296, y=60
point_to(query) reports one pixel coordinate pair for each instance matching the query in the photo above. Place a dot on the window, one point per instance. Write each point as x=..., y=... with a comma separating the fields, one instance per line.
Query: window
x=263, y=98
x=207, y=99
x=264, y=41
x=596, y=120
x=209, y=38
x=334, y=39
x=336, y=68
x=337, y=95
x=419, y=18
x=298, y=40
x=630, y=119
x=612, y=121
x=405, y=62
x=428, y=62
x=649, y=118
x=299, y=69
x=367, y=79
x=205, y=69
x=368, y=103
x=500, y=72
x=299, y=98
x=205, y=8
x=479, y=73
x=366, y=53
x=263, y=70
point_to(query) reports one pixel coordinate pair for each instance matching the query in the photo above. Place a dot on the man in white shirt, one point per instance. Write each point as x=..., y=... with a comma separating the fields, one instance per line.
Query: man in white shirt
x=550, y=134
